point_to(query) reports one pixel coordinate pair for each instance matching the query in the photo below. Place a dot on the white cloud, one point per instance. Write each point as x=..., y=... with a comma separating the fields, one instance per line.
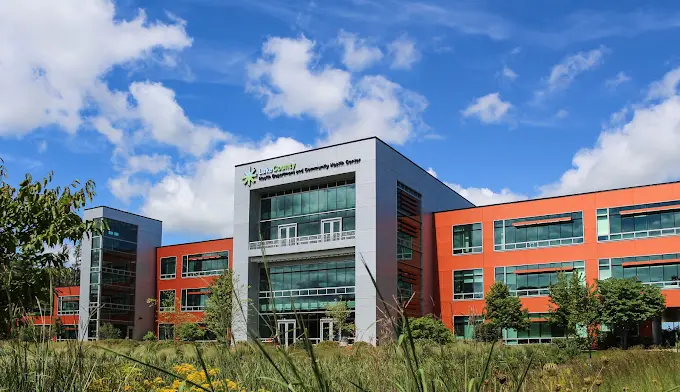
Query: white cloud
x=642, y=151
x=562, y=114
x=432, y=172
x=200, y=198
x=403, y=53
x=42, y=146
x=508, y=74
x=292, y=85
x=127, y=185
x=357, y=53
x=166, y=122
x=565, y=72
x=617, y=80
x=485, y=196
x=489, y=108
x=54, y=55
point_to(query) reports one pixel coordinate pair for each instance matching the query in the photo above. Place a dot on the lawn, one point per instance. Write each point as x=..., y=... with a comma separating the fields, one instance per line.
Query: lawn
x=92, y=367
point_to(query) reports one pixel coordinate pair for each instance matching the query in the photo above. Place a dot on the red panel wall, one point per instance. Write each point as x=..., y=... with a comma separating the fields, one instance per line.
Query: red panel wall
x=590, y=251
x=66, y=319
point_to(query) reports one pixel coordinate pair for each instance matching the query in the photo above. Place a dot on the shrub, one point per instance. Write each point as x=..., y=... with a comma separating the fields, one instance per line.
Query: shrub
x=327, y=344
x=430, y=328
x=108, y=331
x=149, y=337
x=189, y=332
x=487, y=332
x=571, y=347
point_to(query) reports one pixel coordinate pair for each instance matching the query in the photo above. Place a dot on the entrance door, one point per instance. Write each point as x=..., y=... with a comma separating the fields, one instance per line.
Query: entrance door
x=286, y=335
x=130, y=330
x=326, y=332
x=288, y=233
x=331, y=228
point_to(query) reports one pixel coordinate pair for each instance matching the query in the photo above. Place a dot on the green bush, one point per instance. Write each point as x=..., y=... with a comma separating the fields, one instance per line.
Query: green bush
x=189, y=332
x=327, y=344
x=108, y=331
x=571, y=347
x=430, y=328
x=487, y=332
x=149, y=337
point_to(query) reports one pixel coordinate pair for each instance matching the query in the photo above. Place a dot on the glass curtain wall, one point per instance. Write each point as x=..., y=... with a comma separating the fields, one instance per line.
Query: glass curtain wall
x=303, y=210
x=409, y=249
x=660, y=270
x=535, y=279
x=540, y=331
x=112, y=277
x=205, y=264
x=539, y=231
x=467, y=239
x=638, y=221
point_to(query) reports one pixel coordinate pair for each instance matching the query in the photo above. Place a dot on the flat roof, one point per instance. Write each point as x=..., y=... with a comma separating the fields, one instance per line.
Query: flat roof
x=126, y=212
x=195, y=242
x=355, y=141
x=562, y=196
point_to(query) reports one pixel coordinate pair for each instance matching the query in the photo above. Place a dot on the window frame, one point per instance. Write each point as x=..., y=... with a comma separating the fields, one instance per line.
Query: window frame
x=163, y=309
x=199, y=274
x=183, y=308
x=660, y=230
x=167, y=276
x=462, y=296
x=573, y=243
x=652, y=283
x=514, y=292
x=69, y=312
x=172, y=328
x=474, y=249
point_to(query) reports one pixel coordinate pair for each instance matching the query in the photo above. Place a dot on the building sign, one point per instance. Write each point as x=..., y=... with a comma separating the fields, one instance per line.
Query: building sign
x=253, y=175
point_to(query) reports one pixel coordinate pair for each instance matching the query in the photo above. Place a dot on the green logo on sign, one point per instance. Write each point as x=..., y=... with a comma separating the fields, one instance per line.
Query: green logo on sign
x=249, y=177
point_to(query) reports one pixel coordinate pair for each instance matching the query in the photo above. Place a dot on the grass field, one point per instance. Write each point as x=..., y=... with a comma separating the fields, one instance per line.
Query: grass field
x=454, y=367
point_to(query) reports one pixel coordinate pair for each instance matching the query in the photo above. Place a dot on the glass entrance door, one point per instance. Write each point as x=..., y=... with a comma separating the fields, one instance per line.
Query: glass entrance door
x=288, y=233
x=331, y=228
x=326, y=327
x=286, y=335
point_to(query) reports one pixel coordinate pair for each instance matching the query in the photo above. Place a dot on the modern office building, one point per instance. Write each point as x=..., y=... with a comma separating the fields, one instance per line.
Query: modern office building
x=319, y=221
x=118, y=273
x=308, y=228
x=624, y=233
x=184, y=275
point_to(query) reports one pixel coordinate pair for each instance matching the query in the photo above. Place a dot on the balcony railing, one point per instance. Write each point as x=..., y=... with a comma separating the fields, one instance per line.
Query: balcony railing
x=304, y=240
x=193, y=274
x=194, y=308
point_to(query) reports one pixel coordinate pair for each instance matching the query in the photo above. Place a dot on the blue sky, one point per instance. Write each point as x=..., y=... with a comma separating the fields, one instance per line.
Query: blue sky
x=157, y=100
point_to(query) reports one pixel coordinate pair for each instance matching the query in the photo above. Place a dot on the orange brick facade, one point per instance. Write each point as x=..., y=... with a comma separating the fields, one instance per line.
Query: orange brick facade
x=589, y=251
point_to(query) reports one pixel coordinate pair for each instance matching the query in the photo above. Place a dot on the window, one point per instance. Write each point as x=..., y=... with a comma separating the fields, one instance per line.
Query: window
x=205, y=264
x=638, y=221
x=68, y=332
x=468, y=284
x=536, y=279
x=166, y=332
x=168, y=267
x=307, y=207
x=404, y=246
x=68, y=305
x=306, y=286
x=467, y=239
x=539, y=231
x=464, y=326
x=166, y=301
x=193, y=300
x=540, y=331
x=661, y=270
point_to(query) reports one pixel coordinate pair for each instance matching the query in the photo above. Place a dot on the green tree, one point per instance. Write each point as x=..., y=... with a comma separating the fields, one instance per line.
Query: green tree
x=219, y=308
x=189, y=332
x=430, y=328
x=504, y=310
x=108, y=331
x=33, y=219
x=339, y=311
x=626, y=303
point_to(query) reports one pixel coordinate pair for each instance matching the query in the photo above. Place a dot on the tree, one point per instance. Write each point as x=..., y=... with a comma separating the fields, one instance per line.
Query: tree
x=219, y=308
x=626, y=303
x=108, y=331
x=339, y=311
x=189, y=332
x=430, y=328
x=504, y=310
x=33, y=219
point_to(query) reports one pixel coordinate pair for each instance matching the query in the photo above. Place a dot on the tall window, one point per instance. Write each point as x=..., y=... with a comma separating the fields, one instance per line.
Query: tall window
x=166, y=331
x=409, y=249
x=167, y=301
x=540, y=331
x=205, y=264
x=194, y=300
x=305, y=209
x=468, y=284
x=536, y=279
x=467, y=238
x=539, y=231
x=464, y=327
x=661, y=270
x=168, y=267
x=68, y=305
x=638, y=221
